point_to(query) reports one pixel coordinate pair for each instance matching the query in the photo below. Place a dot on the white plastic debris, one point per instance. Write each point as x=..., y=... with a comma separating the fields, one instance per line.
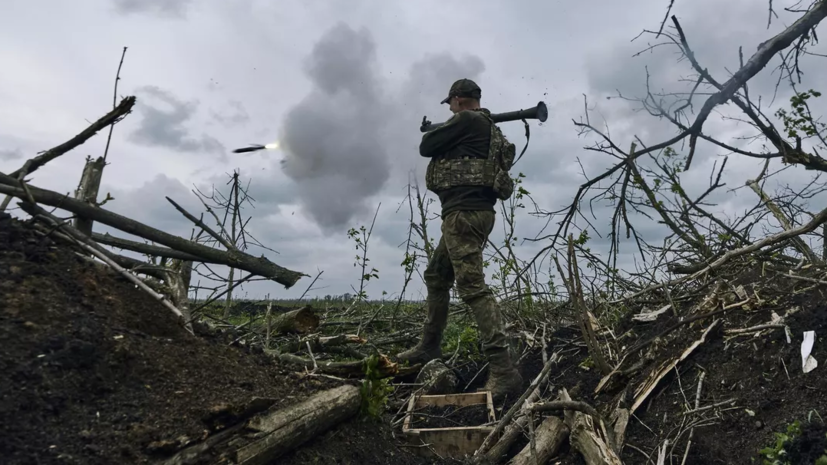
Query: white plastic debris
x=808, y=363
x=650, y=315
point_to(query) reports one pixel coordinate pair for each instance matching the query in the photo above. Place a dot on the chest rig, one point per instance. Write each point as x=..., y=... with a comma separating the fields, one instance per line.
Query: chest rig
x=491, y=171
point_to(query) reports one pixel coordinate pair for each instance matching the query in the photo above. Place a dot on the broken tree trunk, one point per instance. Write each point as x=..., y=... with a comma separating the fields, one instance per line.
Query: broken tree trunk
x=549, y=438
x=259, y=266
x=301, y=321
x=288, y=428
x=589, y=439
x=140, y=247
x=178, y=285
x=785, y=222
x=584, y=319
x=88, y=188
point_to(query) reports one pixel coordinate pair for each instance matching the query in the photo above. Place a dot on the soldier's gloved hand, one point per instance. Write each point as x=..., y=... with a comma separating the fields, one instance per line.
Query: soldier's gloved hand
x=425, y=123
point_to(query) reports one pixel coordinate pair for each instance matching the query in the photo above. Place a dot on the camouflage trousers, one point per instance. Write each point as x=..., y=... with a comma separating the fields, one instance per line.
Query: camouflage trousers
x=458, y=257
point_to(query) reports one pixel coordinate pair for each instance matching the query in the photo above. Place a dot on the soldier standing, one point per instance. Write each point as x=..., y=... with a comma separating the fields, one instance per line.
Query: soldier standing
x=468, y=170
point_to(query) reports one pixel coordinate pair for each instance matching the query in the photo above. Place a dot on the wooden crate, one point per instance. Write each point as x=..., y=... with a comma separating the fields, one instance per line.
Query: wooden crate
x=454, y=442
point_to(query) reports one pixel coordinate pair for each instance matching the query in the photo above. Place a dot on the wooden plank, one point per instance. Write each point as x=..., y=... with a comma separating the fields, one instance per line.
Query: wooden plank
x=453, y=442
x=462, y=400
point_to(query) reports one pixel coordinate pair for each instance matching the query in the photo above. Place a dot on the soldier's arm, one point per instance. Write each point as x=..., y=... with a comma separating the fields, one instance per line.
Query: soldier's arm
x=443, y=138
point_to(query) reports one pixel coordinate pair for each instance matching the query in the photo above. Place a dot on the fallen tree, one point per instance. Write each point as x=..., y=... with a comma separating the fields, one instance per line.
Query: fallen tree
x=234, y=258
x=281, y=431
x=269, y=435
x=302, y=320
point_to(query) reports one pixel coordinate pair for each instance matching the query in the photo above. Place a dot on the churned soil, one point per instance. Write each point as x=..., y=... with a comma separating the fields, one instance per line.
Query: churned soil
x=95, y=371
x=753, y=386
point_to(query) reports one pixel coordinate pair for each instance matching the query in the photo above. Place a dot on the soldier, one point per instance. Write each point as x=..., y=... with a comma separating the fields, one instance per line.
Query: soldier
x=465, y=174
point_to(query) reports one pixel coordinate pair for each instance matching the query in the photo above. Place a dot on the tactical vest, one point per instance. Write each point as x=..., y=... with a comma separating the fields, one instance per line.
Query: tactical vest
x=476, y=172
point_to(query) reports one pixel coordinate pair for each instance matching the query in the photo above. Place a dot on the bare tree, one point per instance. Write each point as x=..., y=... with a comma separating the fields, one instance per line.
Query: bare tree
x=227, y=212
x=644, y=182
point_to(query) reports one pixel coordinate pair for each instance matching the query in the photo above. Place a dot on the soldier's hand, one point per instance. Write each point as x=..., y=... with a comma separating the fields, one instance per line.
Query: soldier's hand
x=425, y=122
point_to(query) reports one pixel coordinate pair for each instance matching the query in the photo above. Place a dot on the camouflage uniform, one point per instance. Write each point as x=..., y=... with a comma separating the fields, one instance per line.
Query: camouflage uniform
x=468, y=195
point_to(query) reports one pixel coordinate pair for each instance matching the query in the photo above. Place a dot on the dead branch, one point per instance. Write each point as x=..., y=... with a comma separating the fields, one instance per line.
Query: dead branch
x=202, y=225
x=548, y=439
x=512, y=432
x=588, y=438
x=506, y=419
x=817, y=220
x=348, y=369
x=124, y=108
x=140, y=247
x=560, y=405
x=726, y=92
x=260, y=266
x=643, y=391
x=785, y=223
x=72, y=235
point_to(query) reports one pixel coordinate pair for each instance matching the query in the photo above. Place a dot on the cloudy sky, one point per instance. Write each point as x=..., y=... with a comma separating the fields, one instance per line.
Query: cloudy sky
x=343, y=86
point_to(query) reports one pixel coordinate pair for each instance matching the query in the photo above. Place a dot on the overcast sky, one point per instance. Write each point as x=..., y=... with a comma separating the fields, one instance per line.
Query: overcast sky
x=343, y=86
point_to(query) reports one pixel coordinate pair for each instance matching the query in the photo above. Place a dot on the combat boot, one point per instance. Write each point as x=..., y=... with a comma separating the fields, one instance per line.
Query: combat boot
x=503, y=378
x=429, y=348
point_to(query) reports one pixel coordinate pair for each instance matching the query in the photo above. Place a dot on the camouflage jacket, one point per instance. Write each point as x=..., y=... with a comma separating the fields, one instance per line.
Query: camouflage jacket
x=465, y=135
x=471, y=153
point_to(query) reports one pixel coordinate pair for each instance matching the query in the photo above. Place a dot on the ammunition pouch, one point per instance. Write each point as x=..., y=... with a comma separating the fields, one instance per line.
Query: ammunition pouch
x=476, y=172
x=465, y=172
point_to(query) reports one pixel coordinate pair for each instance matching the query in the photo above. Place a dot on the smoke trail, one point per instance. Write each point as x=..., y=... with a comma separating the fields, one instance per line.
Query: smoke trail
x=350, y=135
x=333, y=138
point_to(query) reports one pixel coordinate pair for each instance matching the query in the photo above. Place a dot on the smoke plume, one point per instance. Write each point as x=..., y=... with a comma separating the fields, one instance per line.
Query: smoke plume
x=333, y=138
x=346, y=139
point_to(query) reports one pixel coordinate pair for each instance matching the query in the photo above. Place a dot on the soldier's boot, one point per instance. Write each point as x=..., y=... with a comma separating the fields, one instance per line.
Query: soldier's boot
x=504, y=380
x=503, y=377
x=430, y=346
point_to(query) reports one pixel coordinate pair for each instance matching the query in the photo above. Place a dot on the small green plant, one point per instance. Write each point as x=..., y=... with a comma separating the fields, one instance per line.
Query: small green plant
x=777, y=454
x=361, y=237
x=464, y=336
x=800, y=122
x=374, y=389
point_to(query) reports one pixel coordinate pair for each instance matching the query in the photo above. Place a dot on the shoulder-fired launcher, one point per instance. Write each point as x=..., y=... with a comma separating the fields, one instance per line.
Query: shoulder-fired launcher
x=539, y=112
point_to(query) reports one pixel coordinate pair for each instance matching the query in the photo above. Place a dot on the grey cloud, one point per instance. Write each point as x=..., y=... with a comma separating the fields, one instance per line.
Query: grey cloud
x=12, y=154
x=167, y=8
x=235, y=115
x=714, y=39
x=166, y=127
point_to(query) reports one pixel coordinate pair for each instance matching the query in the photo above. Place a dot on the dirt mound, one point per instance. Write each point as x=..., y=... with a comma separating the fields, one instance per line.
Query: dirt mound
x=753, y=384
x=95, y=371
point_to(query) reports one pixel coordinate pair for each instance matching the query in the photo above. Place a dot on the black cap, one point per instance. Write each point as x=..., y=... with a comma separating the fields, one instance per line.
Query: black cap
x=464, y=88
